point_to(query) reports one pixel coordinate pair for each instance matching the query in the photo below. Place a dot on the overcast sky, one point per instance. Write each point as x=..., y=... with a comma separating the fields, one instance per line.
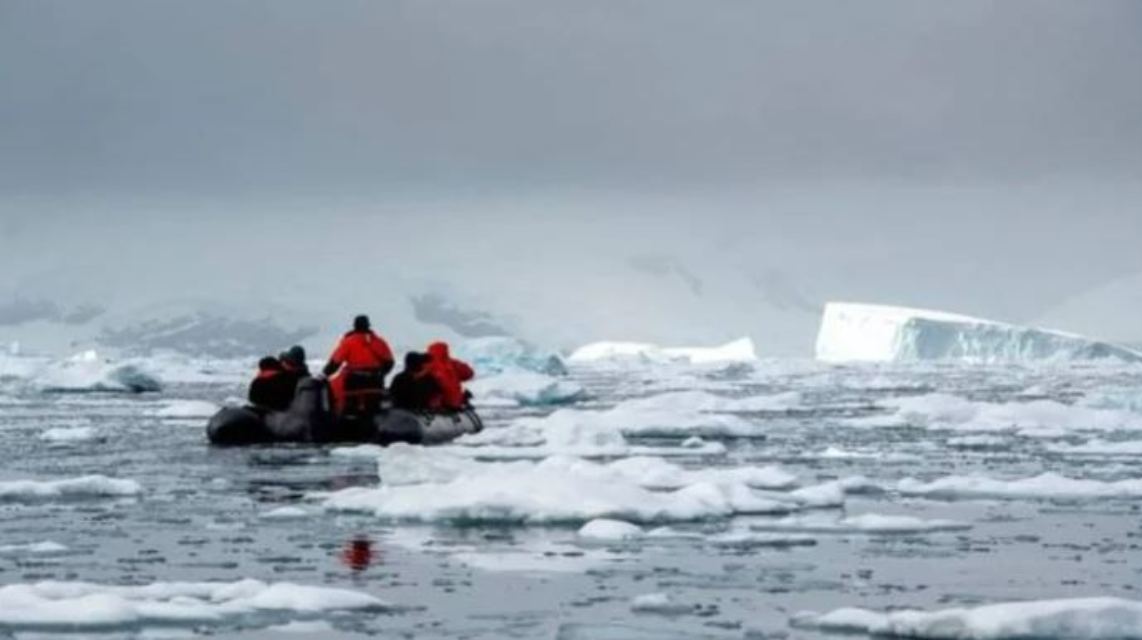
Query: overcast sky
x=984, y=156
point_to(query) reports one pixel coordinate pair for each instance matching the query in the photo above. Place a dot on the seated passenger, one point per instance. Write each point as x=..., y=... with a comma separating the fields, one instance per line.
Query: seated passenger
x=362, y=359
x=272, y=389
x=411, y=390
x=449, y=375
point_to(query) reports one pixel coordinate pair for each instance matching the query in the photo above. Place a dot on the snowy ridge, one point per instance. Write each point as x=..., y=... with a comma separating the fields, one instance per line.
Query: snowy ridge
x=876, y=333
x=1075, y=619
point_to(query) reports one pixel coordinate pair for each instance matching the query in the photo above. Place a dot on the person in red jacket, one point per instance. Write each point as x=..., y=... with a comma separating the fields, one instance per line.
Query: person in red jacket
x=357, y=369
x=450, y=376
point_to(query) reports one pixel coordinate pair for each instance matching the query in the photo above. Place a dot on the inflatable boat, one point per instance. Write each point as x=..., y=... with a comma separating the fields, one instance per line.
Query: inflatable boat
x=309, y=420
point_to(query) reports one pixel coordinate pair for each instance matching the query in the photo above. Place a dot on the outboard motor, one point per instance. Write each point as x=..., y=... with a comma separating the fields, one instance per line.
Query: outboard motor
x=307, y=419
x=237, y=425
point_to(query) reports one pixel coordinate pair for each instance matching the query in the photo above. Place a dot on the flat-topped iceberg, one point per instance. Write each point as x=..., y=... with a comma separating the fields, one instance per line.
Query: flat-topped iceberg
x=878, y=333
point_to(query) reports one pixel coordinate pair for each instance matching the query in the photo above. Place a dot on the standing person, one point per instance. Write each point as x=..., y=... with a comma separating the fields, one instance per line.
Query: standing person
x=450, y=376
x=361, y=361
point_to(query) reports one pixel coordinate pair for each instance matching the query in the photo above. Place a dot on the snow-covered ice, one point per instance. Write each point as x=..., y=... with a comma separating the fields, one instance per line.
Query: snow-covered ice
x=877, y=333
x=738, y=351
x=1070, y=619
x=80, y=605
x=70, y=434
x=92, y=486
x=524, y=388
x=602, y=529
x=186, y=409
x=870, y=523
x=1044, y=486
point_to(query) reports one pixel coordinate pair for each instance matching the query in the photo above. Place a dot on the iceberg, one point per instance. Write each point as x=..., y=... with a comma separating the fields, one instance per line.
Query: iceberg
x=86, y=371
x=738, y=351
x=499, y=354
x=877, y=333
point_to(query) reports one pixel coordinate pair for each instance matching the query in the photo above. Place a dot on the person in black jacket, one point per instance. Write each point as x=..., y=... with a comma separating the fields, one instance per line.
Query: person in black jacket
x=412, y=389
x=273, y=388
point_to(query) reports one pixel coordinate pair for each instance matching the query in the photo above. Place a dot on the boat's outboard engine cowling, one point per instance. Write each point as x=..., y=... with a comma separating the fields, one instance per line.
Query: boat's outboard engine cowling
x=307, y=419
x=237, y=425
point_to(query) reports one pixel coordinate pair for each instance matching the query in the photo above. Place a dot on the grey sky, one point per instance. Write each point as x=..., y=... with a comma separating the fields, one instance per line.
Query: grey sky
x=980, y=156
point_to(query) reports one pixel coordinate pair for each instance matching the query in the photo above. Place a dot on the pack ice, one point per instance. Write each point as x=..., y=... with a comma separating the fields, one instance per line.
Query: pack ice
x=877, y=333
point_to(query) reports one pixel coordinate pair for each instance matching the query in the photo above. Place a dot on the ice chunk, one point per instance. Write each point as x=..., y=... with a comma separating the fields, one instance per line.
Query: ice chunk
x=70, y=434
x=876, y=333
x=82, y=487
x=1045, y=486
x=89, y=371
x=603, y=529
x=738, y=351
x=1073, y=619
x=660, y=604
x=1100, y=448
x=35, y=548
x=870, y=523
x=81, y=605
x=1038, y=417
x=187, y=409
x=285, y=513
x=555, y=490
x=501, y=354
x=525, y=388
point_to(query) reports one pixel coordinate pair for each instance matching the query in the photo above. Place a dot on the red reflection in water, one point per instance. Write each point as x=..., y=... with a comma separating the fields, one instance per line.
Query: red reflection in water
x=358, y=554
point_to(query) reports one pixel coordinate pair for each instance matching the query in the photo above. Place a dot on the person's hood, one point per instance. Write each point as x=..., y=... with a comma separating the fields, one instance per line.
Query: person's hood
x=439, y=351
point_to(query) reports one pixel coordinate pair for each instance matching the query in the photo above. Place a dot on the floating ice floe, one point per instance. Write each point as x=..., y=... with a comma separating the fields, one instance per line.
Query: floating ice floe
x=660, y=604
x=738, y=351
x=92, y=486
x=1037, y=418
x=87, y=606
x=33, y=549
x=979, y=442
x=186, y=409
x=524, y=388
x=1045, y=486
x=432, y=485
x=604, y=530
x=1072, y=619
x=1099, y=448
x=868, y=523
x=877, y=333
x=285, y=513
x=70, y=434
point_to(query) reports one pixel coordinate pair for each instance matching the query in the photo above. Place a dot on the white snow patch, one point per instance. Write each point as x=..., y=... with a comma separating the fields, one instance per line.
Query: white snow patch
x=81, y=487
x=93, y=606
x=1073, y=619
x=877, y=333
